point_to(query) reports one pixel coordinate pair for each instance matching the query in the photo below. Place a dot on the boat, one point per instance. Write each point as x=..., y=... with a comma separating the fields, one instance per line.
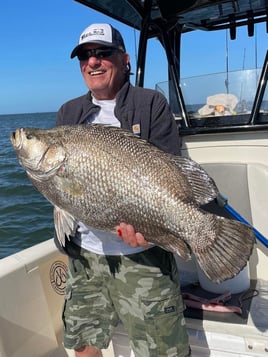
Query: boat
x=230, y=142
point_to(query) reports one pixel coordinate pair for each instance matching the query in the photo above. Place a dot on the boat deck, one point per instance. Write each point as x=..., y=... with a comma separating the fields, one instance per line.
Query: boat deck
x=228, y=334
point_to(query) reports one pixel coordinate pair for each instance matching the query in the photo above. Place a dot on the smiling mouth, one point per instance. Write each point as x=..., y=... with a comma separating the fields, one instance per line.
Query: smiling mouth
x=95, y=73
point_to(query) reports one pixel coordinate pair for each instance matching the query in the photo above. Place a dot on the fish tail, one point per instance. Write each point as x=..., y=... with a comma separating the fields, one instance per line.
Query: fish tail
x=227, y=252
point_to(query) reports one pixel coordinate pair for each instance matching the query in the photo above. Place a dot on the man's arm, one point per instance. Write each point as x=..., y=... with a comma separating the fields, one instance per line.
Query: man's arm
x=164, y=132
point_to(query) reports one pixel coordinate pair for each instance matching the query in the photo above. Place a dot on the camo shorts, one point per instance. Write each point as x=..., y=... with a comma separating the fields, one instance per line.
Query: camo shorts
x=141, y=290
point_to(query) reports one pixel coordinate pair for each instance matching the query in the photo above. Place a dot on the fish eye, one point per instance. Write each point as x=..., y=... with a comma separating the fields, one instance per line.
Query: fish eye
x=29, y=136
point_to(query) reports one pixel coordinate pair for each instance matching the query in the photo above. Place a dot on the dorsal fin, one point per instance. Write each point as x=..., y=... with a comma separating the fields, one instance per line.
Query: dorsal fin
x=202, y=185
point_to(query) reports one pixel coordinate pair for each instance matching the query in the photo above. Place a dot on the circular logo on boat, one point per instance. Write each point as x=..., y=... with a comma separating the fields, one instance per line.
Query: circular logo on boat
x=58, y=272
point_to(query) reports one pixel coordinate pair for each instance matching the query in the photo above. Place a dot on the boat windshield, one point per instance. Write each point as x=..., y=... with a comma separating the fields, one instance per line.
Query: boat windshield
x=219, y=80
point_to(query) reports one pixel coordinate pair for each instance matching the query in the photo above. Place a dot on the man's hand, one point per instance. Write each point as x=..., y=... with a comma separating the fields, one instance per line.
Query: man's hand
x=127, y=233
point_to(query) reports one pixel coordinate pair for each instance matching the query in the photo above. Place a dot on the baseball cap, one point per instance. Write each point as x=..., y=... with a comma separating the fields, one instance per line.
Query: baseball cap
x=103, y=34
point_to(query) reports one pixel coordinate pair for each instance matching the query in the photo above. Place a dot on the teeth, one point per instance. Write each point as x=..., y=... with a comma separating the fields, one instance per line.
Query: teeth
x=93, y=73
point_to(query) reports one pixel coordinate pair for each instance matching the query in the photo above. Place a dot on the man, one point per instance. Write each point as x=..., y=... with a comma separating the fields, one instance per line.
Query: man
x=120, y=277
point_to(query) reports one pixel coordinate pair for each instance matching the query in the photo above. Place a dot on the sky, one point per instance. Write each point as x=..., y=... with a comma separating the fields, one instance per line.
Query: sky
x=37, y=37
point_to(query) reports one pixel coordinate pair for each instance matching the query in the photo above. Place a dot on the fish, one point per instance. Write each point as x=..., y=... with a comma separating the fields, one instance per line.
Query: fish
x=102, y=176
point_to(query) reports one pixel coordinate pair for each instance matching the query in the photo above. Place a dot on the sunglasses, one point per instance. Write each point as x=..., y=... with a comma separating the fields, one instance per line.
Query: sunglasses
x=102, y=52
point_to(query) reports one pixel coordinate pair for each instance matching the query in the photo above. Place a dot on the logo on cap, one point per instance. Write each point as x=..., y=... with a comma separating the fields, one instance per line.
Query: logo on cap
x=97, y=32
x=94, y=32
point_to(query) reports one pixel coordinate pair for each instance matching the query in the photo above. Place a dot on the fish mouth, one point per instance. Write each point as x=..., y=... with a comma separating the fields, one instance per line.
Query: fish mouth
x=16, y=138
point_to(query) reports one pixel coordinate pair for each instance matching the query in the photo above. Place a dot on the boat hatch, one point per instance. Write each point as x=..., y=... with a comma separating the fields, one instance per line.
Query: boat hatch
x=169, y=21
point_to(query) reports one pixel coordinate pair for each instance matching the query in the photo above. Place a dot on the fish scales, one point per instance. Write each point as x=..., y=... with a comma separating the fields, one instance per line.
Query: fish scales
x=106, y=182
x=102, y=176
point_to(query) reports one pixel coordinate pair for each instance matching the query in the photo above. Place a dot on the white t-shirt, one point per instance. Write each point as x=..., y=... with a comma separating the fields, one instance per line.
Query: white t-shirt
x=106, y=113
x=91, y=239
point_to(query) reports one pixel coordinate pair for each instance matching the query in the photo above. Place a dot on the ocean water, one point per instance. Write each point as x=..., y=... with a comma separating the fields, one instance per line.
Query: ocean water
x=26, y=217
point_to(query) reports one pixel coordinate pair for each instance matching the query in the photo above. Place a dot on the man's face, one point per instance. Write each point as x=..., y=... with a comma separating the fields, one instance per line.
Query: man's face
x=104, y=70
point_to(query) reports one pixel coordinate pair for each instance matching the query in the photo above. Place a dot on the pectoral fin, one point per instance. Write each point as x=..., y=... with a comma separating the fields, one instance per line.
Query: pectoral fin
x=65, y=224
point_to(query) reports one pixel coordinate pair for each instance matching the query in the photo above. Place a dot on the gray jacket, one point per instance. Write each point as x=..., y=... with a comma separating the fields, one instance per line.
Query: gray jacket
x=135, y=106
